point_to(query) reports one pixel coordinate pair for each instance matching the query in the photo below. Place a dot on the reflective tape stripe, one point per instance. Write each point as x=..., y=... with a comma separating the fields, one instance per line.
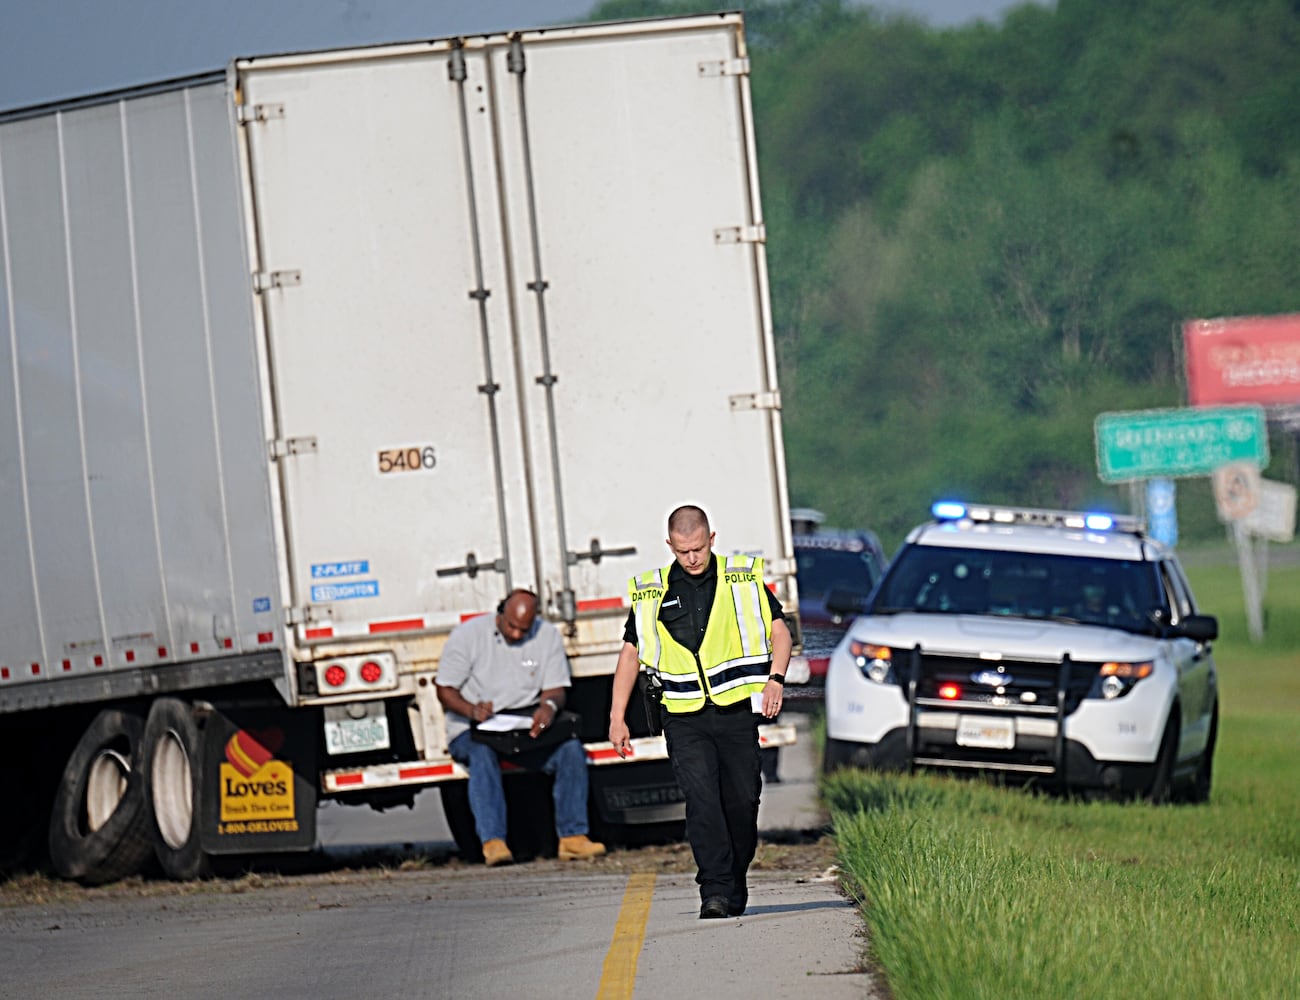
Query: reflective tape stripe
x=600, y=604
x=646, y=593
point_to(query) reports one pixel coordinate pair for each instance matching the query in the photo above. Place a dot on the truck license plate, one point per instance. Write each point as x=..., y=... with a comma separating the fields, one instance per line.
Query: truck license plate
x=356, y=728
x=986, y=733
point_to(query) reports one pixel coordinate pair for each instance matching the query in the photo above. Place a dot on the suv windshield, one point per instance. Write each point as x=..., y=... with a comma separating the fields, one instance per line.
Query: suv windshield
x=1118, y=593
x=822, y=570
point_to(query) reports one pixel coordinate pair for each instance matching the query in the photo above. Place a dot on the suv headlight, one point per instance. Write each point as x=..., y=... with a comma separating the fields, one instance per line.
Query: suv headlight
x=1115, y=680
x=875, y=662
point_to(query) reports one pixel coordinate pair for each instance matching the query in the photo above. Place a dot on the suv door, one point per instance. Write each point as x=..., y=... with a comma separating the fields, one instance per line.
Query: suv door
x=1196, y=678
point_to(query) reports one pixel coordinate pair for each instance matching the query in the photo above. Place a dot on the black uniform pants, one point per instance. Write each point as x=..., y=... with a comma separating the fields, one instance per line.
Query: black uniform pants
x=714, y=753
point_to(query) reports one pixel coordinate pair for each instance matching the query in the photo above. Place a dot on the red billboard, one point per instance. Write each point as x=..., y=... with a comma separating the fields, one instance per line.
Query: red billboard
x=1243, y=359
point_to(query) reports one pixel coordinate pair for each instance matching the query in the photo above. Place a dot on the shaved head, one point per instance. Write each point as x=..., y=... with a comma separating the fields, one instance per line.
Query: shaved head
x=517, y=613
x=688, y=519
x=690, y=539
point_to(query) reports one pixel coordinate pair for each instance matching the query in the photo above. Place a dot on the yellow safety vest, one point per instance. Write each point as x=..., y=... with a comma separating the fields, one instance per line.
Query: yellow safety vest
x=735, y=655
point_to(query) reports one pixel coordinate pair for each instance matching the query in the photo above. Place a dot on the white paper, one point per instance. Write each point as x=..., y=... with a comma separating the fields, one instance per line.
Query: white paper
x=756, y=702
x=501, y=723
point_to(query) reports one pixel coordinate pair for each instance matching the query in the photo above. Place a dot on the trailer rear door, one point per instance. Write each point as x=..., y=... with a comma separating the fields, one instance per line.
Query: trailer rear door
x=514, y=296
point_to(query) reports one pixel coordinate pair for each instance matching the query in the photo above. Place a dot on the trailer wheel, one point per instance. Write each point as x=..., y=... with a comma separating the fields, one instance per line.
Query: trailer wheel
x=99, y=823
x=672, y=831
x=460, y=819
x=173, y=774
x=530, y=817
x=22, y=827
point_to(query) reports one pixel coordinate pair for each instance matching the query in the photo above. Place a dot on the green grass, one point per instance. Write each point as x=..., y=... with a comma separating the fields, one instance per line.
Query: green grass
x=970, y=890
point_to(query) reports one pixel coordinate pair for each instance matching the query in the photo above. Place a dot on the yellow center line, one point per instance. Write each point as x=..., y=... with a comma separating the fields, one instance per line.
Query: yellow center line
x=619, y=974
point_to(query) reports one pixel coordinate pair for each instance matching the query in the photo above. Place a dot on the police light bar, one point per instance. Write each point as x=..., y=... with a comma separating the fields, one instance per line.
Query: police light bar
x=949, y=510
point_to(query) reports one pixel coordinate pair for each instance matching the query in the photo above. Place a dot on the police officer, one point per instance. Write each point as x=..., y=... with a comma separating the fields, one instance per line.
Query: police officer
x=713, y=635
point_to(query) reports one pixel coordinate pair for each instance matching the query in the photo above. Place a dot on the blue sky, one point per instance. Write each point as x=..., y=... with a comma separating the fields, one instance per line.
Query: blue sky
x=55, y=49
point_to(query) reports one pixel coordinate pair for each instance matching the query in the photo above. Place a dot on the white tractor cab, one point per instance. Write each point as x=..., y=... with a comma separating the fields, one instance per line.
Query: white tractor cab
x=1052, y=646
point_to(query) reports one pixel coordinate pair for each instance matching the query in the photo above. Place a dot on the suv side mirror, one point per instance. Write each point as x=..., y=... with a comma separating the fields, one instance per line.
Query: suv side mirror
x=1202, y=628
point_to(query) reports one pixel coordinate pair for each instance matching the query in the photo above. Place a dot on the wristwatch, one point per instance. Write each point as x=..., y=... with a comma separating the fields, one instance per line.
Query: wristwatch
x=779, y=678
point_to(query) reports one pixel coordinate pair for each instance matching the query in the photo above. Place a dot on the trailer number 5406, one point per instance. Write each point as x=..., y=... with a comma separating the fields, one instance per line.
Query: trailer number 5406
x=412, y=458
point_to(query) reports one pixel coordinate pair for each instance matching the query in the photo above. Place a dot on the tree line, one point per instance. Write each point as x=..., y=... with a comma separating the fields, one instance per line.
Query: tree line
x=981, y=237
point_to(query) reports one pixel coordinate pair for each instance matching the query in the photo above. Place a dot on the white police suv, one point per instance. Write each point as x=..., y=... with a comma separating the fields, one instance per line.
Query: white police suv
x=1049, y=646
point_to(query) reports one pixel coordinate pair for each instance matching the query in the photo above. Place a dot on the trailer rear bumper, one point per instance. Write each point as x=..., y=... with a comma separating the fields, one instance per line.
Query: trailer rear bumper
x=343, y=781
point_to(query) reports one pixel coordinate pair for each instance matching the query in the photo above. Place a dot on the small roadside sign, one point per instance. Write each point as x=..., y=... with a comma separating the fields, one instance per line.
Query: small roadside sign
x=1274, y=514
x=1236, y=489
x=1162, y=515
x=1193, y=441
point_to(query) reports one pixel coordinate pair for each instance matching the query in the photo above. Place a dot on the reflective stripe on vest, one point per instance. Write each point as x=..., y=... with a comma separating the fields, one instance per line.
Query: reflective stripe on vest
x=735, y=654
x=646, y=592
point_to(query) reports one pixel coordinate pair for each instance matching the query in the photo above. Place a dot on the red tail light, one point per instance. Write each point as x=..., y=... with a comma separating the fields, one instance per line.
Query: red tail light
x=949, y=691
x=336, y=676
x=371, y=671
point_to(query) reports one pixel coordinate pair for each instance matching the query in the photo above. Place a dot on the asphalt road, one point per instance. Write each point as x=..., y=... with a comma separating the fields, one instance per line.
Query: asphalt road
x=489, y=934
x=543, y=929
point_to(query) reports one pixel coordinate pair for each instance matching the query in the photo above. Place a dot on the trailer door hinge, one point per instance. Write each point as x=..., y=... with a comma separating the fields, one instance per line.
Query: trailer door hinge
x=778, y=566
x=308, y=615
x=259, y=112
x=741, y=234
x=725, y=67
x=282, y=447
x=756, y=401
x=266, y=280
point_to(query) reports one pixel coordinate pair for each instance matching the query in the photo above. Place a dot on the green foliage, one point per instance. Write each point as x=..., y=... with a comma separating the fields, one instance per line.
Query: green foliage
x=980, y=238
x=971, y=890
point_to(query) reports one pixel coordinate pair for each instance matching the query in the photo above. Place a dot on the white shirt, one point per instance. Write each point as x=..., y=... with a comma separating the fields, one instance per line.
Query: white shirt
x=479, y=663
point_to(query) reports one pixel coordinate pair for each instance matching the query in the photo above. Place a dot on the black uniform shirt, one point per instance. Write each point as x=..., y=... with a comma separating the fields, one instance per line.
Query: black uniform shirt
x=686, y=606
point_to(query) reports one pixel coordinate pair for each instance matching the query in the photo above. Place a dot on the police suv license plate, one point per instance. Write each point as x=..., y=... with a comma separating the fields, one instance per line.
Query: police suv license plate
x=986, y=733
x=355, y=728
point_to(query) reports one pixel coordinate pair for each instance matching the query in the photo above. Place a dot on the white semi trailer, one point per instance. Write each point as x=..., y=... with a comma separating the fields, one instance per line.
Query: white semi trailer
x=306, y=361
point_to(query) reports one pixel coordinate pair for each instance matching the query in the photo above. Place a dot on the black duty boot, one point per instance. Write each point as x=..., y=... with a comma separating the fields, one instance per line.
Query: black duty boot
x=739, y=898
x=714, y=908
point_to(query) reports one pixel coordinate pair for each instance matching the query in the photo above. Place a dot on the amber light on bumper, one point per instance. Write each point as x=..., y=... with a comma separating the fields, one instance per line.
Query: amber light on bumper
x=875, y=662
x=1118, y=678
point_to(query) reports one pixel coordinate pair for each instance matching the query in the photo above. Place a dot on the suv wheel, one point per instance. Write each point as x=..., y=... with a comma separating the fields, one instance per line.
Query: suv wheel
x=839, y=753
x=1162, y=781
x=1199, y=790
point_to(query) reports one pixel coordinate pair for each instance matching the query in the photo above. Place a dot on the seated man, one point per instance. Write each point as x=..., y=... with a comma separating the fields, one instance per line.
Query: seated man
x=500, y=663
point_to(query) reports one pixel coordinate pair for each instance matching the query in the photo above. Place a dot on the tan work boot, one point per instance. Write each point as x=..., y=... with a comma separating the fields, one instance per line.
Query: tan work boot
x=495, y=852
x=579, y=847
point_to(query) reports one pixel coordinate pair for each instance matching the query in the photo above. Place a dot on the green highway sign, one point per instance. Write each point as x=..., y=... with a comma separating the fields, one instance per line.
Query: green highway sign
x=1189, y=442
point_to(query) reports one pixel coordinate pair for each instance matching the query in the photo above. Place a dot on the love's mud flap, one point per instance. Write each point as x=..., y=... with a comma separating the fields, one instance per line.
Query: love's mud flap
x=259, y=787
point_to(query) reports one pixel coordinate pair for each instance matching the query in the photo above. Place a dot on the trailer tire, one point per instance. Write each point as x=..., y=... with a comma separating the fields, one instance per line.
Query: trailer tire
x=22, y=827
x=99, y=823
x=530, y=817
x=173, y=775
x=671, y=831
x=460, y=820
x=29, y=786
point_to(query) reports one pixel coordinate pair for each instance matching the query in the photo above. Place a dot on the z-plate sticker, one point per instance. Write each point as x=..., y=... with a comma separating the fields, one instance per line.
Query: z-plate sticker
x=327, y=571
x=345, y=591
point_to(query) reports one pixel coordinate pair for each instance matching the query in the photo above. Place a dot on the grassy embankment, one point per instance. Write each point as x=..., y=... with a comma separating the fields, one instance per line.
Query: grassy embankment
x=974, y=891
